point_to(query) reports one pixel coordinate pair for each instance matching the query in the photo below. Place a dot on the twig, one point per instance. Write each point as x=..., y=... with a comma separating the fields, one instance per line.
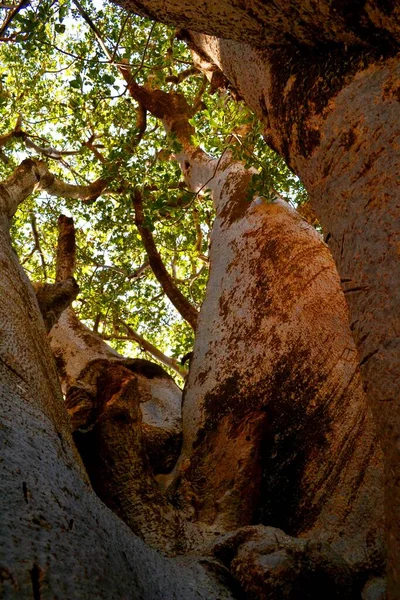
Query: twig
x=121, y=31
x=94, y=28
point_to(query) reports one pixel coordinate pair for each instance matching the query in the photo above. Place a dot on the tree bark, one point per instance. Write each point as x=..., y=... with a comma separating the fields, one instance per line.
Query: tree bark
x=274, y=366
x=57, y=538
x=281, y=22
x=125, y=416
x=325, y=81
x=338, y=132
x=308, y=379
x=126, y=419
x=263, y=426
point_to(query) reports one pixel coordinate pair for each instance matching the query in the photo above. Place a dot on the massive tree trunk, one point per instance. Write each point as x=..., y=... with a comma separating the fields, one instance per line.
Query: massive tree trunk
x=263, y=380
x=221, y=469
x=57, y=538
x=275, y=424
x=343, y=142
x=273, y=363
x=325, y=80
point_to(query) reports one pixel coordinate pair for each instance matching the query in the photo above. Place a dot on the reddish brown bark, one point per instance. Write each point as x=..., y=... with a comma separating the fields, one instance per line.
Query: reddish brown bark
x=337, y=127
x=230, y=470
x=280, y=22
x=66, y=248
x=275, y=424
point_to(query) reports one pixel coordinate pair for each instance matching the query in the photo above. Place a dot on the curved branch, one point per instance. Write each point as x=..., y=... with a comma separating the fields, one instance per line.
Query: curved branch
x=183, y=306
x=13, y=13
x=32, y=175
x=147, y=346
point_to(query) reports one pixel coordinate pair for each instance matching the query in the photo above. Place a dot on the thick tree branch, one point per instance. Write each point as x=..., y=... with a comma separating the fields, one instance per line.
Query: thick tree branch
x=266, y=24
x=32, y=175
x=183, y=306
x=54, y=299
x=13, y=13
x=47, y=151
x=148, y=347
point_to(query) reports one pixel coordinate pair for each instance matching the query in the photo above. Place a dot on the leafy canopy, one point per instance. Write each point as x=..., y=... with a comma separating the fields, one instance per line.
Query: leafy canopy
x=61, y=78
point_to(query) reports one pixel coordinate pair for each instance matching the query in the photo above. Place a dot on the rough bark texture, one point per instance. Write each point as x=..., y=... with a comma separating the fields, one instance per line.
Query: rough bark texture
x=275, y=423
x=104, y=395
x=78, y=350
x=307, y=98
x=269, y=564
x=53, y=299
x=57, y=538
x=249, y=426
x=326, y=84
x=279, y=22
x=336, y=127
x=126, y=419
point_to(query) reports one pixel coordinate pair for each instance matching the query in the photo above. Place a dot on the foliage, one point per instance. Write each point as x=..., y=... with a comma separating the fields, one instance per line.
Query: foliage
x=71, y=97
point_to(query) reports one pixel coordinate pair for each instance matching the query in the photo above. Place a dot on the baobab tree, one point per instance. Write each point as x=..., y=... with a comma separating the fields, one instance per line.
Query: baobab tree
x=276, y=429
x=325, y=83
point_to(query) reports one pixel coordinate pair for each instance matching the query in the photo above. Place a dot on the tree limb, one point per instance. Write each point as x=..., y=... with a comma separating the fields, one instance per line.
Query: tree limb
x=32, y=175
x=66, y=248
x=183, y=306
x=148, y=347
x=54, y=298
x=13, y=12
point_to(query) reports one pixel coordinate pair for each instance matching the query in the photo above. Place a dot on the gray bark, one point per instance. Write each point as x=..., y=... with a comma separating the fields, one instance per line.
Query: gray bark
x=57, y=538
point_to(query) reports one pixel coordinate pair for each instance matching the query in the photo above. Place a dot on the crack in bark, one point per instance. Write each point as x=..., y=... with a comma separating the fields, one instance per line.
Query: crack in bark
x=35, y=579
